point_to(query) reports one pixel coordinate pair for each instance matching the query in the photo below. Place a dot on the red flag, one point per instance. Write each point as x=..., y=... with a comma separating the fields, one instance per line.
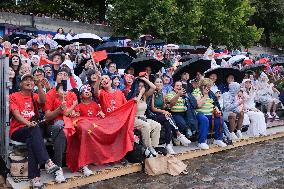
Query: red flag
x=263, y=60
x=44, y=61
x=100, y=55
x=248, y=61
x=94, y=140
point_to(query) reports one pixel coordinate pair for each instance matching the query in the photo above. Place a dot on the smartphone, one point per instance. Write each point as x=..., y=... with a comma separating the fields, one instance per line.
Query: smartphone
x=64, y=83
x=142, y=74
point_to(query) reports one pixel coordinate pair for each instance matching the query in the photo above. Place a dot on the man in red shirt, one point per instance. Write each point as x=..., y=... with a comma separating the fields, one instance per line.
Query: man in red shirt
x=23, y=129
x=55, y=107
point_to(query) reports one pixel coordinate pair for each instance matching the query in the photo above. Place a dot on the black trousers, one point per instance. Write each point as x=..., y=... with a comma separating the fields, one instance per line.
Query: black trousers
x=170, y=129
x=37, y=154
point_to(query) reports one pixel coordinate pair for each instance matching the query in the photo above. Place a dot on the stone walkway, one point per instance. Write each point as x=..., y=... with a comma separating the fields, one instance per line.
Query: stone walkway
x=257, y=166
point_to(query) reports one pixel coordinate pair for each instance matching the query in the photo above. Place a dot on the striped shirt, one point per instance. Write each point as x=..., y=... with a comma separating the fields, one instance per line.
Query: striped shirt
x=207, y=107
x=180, y=104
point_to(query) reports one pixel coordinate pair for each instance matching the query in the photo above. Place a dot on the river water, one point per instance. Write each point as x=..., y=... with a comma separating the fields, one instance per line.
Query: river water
x=256, y=166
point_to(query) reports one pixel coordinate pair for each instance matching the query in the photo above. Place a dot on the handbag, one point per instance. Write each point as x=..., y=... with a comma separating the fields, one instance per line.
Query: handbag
x=176, y=166
x=18, y=167
x=164, y=164
x=156, y=166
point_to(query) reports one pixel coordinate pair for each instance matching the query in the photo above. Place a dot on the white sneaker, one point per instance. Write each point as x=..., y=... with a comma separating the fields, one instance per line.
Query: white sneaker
x=50, y=167
x=153, y=151
x=269, y=116
x=59, y=177
x=239, y=134
x=86, y=171
x=220, y=143
x=203, y=146
x=184, y=141
x=234, y=136
x=170, y=149
x=176, y=141
x=148, y=154
x=36, y=184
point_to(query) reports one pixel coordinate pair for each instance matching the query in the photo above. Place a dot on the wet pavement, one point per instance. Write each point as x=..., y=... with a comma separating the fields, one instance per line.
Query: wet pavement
x=256, y=166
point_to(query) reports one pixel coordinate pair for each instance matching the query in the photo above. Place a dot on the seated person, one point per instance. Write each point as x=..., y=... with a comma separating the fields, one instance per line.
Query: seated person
x=149, y=128
x=109, y=98
x=257, y=120
x=206, y=116
x=164, y=117
x=23, y=129
x=233, y=112
x=57, y=102
x=265, y=92
x=177, y=104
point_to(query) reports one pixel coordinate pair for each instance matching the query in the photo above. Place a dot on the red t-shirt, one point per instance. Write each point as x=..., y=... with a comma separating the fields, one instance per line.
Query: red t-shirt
x=24, y=105
x=88, y=110
x=111, y=101
x=53, y=101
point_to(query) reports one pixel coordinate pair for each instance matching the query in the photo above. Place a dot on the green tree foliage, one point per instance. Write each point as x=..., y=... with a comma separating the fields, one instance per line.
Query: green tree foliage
x=221, y=22
x=226, y=22
x=270, y=16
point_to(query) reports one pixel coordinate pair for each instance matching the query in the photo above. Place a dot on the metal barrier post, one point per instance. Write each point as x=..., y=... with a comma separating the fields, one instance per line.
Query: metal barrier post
x=4, y=107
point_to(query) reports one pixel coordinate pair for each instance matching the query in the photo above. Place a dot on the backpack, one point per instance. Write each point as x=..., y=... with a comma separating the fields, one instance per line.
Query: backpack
x=137, y=154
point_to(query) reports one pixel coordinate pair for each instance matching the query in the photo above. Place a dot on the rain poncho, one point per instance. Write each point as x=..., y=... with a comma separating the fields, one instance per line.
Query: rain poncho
x=230, y=100
x=265, y=91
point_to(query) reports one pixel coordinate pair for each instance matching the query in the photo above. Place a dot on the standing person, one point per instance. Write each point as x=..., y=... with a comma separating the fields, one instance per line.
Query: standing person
x=162, y=116
x=60, y=34
x=150, y=129
x=23, y=129
x=109, y=98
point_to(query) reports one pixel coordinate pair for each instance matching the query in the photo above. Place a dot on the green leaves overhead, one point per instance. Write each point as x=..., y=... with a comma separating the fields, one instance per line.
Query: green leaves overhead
x=221, y=22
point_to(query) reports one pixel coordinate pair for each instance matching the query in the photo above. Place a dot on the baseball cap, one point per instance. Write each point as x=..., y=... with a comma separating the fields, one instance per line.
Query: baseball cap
x=25, y=76
x=37, y=68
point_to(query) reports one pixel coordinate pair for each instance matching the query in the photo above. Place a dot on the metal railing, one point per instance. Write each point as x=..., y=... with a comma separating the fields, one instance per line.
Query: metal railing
x=4, y=107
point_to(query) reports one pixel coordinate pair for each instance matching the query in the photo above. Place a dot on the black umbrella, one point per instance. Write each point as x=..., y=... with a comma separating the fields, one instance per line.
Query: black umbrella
x=192, y=67
x=113, y=47
x=223, y=72
x=121, y=60
x=277, y=61
x=252, y=68
x=116, y=38
x=15, y=37
x=156, y=42
x=139, y=64
x=87, y=38
x=62, y=42
x=185, y=58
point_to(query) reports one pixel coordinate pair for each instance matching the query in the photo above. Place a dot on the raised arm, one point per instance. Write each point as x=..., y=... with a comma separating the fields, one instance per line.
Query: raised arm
x=151, y=85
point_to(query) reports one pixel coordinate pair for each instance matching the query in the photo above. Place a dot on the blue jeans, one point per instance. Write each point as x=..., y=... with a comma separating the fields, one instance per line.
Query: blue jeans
x=205, y=123
x=181, y=121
